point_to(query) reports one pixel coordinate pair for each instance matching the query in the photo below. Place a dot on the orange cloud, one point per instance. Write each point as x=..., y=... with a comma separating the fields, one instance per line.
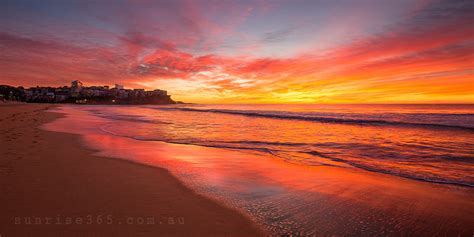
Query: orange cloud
x=426, y=57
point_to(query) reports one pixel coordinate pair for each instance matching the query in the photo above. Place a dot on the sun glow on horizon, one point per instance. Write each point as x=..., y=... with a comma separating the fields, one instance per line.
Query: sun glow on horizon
x=249, y=52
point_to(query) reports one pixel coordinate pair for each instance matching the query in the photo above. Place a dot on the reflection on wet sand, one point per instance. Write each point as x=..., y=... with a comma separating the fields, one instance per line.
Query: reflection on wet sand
x=288, y=197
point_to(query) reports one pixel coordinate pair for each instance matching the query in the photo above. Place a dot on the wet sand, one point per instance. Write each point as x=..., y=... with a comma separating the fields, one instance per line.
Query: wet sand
x=51, y=186
x=290, y=198
x=54, y=175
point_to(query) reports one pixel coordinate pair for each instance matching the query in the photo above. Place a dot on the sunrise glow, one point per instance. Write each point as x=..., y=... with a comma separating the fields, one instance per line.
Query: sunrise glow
x=237, y=118
x=248, y=51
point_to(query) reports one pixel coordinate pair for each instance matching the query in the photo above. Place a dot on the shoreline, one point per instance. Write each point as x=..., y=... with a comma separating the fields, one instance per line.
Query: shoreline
x=289, y=198
x=51, y=177
x=340, y=201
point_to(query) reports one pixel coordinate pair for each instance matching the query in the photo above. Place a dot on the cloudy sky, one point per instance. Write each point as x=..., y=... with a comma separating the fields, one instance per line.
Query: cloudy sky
x=213, y=51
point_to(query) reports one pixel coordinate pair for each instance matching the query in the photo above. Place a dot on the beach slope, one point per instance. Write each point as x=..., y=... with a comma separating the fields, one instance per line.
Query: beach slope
x=52, y=186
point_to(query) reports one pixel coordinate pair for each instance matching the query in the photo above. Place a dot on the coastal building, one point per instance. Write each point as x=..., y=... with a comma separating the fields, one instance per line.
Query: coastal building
x=159, y=92
x=80, y=94
x=60, y=98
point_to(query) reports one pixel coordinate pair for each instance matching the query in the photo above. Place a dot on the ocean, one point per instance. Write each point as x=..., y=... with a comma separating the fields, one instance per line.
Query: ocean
x=308, y=169
x=433, y=143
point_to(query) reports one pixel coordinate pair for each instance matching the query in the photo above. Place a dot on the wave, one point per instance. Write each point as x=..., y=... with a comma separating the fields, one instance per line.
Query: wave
x=277, y=149
x=132, y=118
x=313, y=118
x=354, y=164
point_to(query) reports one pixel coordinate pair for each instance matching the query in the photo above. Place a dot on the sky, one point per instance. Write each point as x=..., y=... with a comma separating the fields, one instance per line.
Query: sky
x=213, y=51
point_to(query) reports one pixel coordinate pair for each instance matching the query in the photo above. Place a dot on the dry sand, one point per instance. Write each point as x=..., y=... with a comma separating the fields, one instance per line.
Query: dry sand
x=49, y=179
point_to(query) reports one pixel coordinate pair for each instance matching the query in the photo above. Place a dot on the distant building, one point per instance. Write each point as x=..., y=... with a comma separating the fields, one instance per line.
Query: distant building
x=80, y=94
x=159, y=92
x=60, y=98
